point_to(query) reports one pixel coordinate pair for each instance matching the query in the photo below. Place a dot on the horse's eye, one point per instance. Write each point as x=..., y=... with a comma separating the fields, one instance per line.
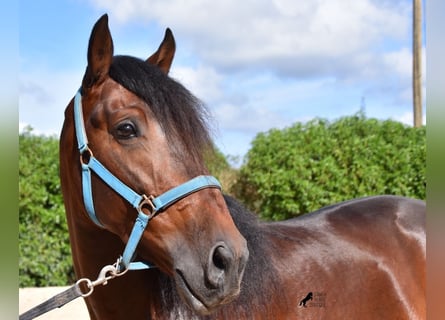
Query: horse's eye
x=126, y=131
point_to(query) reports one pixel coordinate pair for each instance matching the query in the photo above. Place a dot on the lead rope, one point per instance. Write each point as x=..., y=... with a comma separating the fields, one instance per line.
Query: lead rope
x=75, y=291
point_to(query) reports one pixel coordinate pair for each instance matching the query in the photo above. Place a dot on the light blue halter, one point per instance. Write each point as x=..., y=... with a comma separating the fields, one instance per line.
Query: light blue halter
x=155, y=204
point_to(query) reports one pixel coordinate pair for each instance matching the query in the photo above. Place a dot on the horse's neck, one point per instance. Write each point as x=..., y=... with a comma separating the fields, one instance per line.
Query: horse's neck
x=263, y=282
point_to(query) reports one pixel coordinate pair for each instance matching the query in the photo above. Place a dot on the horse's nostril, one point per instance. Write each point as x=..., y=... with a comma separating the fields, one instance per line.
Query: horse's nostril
x=219, y=258
x=222, y=268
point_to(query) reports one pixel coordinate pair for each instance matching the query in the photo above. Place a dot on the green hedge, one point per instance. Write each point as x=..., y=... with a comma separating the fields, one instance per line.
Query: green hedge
x=307, y=166
x=44, y=250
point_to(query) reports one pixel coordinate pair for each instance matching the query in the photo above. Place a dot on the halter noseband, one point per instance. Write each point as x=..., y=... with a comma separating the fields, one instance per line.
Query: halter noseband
x=138, y=201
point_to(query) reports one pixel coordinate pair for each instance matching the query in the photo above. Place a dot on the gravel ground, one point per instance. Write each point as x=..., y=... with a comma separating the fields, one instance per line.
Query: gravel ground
x=31, y=297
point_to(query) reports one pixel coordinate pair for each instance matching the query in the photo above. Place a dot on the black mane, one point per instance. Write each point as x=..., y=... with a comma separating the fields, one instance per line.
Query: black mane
x=260, y=281
x=182, y=116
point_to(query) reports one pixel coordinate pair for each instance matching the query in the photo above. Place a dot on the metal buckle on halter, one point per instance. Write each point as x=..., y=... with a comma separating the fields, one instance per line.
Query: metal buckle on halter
x=147, y=203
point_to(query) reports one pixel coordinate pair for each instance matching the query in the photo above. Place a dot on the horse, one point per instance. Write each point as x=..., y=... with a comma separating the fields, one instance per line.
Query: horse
x=131, y=168
x=214, y=259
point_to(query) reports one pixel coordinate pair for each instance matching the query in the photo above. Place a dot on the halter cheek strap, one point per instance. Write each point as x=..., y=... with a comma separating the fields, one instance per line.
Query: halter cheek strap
x=89, y=162
x=154, y=204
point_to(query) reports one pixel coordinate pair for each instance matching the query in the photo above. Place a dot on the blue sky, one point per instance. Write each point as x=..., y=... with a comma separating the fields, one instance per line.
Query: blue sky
x=256, y=64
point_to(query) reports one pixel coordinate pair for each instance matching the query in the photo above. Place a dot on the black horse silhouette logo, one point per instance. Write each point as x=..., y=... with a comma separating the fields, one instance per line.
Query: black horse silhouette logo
x=306, y=299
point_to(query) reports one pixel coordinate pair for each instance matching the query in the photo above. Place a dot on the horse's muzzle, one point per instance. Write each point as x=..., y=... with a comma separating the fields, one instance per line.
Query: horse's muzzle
x=219, y=280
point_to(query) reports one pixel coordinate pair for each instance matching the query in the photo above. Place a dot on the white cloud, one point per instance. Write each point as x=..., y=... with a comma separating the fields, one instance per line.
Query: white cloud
x=288, y=37
x=407, y=118
x=399, y=62
x=258, y=64
x=248, y=119
x=204, y=82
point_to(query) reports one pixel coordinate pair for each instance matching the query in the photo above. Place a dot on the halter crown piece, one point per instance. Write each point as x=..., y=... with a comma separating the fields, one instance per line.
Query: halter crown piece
x=138, y=201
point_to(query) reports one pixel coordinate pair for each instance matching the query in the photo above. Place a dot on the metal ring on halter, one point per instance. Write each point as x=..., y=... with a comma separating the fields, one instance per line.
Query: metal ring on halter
x=147, y=201
x=85, y=156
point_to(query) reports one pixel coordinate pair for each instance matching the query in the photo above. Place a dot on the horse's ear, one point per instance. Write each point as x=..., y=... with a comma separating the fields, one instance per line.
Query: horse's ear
x=163, y=57
x=100, y=53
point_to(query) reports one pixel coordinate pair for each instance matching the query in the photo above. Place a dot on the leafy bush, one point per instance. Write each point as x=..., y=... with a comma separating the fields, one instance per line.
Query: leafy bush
x=44, y=250
x=307, y=166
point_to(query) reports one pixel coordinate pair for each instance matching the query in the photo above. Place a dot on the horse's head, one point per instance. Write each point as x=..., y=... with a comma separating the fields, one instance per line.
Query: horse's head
x=149, y=131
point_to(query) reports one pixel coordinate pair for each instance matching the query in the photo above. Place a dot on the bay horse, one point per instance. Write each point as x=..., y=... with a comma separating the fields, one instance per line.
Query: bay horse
x=360, y=259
